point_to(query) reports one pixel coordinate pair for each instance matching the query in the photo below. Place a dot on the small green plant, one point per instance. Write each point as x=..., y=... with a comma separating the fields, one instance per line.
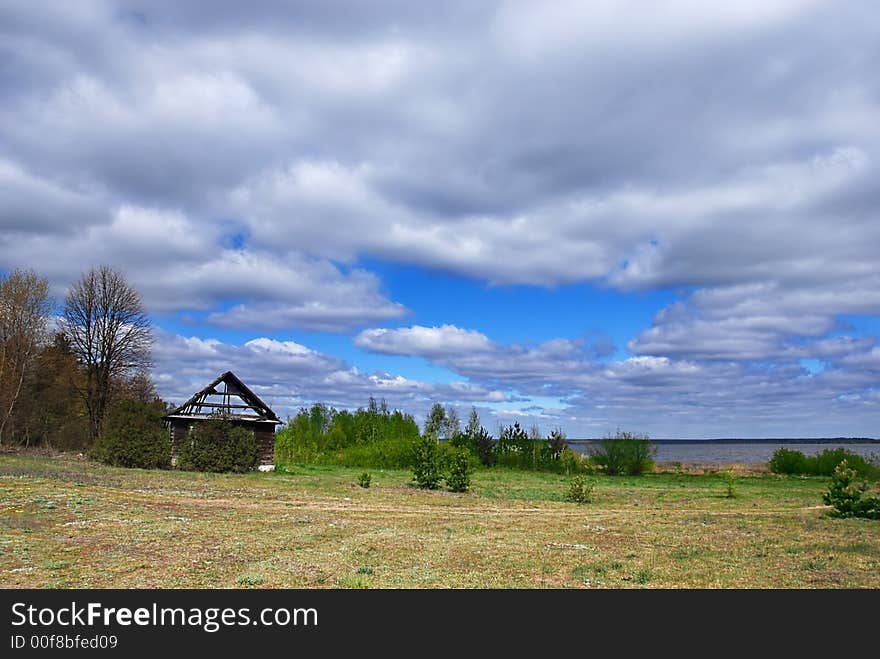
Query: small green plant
x=846, y=495
x=356, y=581
x=729, y=479
x=249, y=580
x=426, y=463
x=644, y=575
x=459, y=478
x=364, y=480
x=580, y=490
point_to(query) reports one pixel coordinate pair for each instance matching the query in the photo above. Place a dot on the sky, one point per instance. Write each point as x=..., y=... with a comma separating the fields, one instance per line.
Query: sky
x=655, y=217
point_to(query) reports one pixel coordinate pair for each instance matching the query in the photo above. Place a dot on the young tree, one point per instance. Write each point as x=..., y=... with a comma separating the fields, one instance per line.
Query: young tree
x=473, y=425
x=24, y=315
x=556, y=443
x=485, y=446
x=110, y=333
x=452, y=427
x=435, y=424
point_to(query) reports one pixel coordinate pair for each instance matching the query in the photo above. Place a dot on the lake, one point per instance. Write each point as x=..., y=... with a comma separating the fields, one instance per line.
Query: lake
x=744, y=451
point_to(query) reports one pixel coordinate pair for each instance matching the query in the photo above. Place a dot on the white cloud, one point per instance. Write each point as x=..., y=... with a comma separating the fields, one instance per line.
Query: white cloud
x=440, y=341
x=241, y=164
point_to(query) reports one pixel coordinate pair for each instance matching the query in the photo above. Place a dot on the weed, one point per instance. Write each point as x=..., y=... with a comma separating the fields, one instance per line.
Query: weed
x=249, y=580
x=685, y=553
x=364, y=480
x=644, y=575
x=580, y=490
x=354, y=582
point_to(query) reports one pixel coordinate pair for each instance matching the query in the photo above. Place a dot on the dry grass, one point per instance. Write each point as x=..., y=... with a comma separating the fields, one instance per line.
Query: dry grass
x=65, y=522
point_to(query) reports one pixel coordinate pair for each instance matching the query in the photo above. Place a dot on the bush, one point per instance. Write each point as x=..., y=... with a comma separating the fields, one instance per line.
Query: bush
x=846, y=495
x=572, y=463
x=826, y=462
x=427, y=472
x=373, y=437
x=364, y=480
x=392, y=453
x=625, y=453
x=459, y=479
x=134, y=436
x=580, y=490
x=218, y=445
x=786, y=461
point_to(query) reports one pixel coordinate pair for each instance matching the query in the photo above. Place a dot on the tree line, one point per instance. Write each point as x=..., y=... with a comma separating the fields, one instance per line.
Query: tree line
x=63, y=367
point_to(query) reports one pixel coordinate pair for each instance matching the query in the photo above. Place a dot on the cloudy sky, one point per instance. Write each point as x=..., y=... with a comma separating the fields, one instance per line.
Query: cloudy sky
x=660, y=217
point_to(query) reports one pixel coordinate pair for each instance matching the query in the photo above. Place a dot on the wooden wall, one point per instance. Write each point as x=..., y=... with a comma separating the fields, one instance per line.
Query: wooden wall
x=264, y=436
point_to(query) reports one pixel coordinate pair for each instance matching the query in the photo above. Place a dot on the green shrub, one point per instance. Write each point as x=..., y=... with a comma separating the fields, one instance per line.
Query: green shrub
x=370, y=437
x=364, y=480
x=826, y=462
x=580, y=490
x=846, y=495
x=786, y=461
x=625, y=453
x=572, y=463
x=390, y=453
x=218, y=445
x=459, y=479
x=134, y=436
x=427, y=470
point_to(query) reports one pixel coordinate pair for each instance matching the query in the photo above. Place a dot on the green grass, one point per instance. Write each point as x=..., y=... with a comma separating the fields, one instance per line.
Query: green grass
x=67, y=522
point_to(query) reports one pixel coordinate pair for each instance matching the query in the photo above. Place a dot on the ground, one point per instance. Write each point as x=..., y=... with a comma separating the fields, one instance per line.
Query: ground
x=66, y=522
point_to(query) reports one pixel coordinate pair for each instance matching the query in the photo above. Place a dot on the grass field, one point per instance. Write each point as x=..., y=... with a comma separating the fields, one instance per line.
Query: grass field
x=69, y=523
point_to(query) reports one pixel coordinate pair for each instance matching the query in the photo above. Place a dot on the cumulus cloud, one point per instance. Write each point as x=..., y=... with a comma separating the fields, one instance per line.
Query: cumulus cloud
x=290, y=375
x=518, y=156
x=736, y=393
x=424, y=341
x=244, y=164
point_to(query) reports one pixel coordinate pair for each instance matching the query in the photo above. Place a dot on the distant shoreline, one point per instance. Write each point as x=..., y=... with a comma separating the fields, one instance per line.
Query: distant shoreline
x=767, y=440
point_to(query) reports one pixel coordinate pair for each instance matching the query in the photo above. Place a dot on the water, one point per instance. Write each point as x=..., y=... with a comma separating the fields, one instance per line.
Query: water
x=758, y=451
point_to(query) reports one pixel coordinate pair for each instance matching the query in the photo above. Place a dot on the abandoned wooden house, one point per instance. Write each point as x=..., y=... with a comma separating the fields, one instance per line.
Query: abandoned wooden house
x=230, y=399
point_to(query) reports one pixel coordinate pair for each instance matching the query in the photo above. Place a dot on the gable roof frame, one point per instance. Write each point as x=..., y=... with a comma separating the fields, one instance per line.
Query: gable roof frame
x=193, y=408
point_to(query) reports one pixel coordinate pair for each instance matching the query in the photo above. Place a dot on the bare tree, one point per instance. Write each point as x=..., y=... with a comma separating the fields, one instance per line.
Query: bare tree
x=109, y=332
x=24, y=316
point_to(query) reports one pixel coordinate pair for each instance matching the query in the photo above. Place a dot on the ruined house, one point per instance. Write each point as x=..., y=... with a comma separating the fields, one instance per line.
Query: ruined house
x=230, y=399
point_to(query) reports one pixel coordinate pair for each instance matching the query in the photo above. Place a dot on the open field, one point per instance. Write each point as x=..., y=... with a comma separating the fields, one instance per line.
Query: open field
x=66, y=522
